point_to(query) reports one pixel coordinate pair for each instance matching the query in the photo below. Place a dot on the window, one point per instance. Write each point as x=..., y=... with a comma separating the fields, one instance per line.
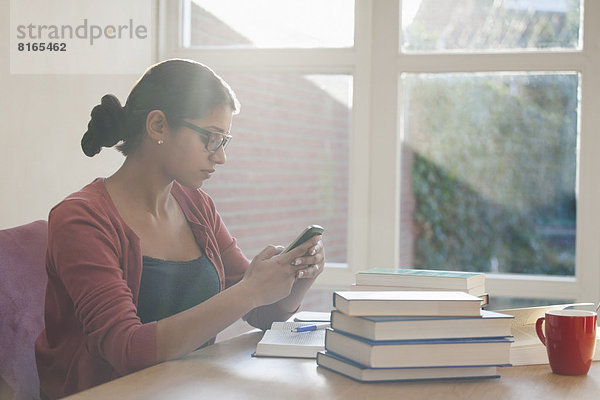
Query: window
x=490, y=161
x=491, y=117
x=268, y=23
x=289, y=161
x=458, y=133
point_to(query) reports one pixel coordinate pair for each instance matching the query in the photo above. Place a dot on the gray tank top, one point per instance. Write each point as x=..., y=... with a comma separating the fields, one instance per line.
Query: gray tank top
x=169, y=287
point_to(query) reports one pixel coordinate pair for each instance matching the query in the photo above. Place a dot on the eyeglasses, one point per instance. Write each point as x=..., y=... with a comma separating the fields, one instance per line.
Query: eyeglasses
x=215, y=139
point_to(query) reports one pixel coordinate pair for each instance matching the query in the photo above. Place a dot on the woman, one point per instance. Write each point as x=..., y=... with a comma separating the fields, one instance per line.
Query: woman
x=141, y=268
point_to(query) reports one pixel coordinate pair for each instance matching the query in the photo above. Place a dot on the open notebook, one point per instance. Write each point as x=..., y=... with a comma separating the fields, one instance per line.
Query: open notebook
x=527, y=349
x=280, y=341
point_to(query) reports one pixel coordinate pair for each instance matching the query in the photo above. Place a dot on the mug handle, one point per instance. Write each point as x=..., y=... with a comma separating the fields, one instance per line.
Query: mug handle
x=538, y=329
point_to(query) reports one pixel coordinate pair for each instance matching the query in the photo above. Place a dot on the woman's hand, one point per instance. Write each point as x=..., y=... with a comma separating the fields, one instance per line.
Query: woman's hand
x=311, y=264
x=269, y=278
x=272, y=273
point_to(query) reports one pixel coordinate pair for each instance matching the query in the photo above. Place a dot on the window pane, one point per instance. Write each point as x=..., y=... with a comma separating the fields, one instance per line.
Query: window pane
x=287, y=165
x=480, y=25
x=489, y=164
x=269, y=23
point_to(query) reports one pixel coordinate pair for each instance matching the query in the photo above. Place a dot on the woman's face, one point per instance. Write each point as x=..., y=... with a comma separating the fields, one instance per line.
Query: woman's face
x=189, y=162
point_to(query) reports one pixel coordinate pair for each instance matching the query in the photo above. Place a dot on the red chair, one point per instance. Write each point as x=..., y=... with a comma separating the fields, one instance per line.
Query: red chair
x=22, y=289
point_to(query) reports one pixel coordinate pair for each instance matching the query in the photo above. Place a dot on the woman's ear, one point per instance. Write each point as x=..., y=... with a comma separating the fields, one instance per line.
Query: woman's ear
x=156, y=126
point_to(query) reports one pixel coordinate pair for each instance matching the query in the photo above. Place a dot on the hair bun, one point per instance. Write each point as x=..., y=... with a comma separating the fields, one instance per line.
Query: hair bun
x=105, y=126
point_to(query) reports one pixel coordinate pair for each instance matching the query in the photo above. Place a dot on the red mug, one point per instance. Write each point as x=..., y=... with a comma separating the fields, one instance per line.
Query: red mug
x=570, y=340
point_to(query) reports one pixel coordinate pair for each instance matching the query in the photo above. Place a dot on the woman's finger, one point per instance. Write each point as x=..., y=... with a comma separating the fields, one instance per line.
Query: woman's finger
x=311, y=272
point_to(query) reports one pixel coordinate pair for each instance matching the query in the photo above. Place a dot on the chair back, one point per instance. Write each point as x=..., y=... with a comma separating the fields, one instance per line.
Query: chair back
x=22, y=289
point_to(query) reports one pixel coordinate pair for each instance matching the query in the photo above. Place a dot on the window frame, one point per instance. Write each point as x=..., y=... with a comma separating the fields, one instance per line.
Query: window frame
x=376, y=132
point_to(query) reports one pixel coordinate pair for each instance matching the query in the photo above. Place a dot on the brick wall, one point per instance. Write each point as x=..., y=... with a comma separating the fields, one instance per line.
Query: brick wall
x=287, y=164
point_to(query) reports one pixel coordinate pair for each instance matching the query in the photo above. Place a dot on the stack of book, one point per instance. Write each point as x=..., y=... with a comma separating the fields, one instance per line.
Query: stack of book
x=421, y=279
x=414, y=335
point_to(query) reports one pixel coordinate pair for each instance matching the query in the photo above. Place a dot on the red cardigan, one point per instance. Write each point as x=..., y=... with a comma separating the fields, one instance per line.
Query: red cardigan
x=94, y=264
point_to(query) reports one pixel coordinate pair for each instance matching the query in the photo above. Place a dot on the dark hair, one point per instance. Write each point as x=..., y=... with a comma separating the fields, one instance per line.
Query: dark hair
x=179, y=88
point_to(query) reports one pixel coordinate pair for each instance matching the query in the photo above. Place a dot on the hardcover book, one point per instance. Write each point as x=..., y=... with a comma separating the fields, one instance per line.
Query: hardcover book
x=487, y=324
x=420, y=278
x=363, y=373
x=475, y=291
x=407, y=303
x=419, y=353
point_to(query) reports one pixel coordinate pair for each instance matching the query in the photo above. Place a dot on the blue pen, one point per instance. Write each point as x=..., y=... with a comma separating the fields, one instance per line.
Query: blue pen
x=308, y=328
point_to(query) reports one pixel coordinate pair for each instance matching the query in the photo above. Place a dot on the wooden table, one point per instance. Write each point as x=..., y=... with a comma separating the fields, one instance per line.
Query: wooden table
x=226, y=370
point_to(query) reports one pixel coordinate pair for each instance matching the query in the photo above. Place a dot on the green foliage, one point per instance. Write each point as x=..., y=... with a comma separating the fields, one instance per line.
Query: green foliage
x=456, y=228
x=488, y=24
x=494, y=165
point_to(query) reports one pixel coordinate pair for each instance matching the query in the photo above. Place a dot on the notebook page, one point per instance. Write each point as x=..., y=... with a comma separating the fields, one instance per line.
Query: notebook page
x=281, y=341
x=281, y=334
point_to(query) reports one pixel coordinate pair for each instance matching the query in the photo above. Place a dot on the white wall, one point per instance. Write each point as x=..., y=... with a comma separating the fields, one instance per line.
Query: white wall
x=43, y=118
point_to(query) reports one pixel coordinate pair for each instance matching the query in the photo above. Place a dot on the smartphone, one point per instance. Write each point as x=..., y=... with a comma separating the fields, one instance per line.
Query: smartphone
x=307, y=233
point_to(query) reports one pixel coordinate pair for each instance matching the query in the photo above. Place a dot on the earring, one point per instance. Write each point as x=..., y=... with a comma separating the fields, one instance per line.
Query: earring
x=160, y=142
